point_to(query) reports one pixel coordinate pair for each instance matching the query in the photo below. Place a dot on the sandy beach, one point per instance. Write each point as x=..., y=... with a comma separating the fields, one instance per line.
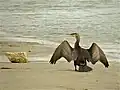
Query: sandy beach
x=44, y=76
x=61, y=76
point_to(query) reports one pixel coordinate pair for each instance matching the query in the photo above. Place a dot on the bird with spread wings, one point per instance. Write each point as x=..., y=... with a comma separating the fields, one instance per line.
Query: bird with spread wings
x=79, y=55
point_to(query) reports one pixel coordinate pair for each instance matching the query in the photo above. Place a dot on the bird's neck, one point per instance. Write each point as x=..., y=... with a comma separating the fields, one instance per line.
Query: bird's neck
x=77, y=42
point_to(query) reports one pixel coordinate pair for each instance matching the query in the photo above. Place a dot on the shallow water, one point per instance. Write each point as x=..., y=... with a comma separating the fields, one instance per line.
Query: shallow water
x=48, y=21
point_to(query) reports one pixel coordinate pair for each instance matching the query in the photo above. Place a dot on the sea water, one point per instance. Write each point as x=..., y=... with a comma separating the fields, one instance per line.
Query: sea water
x=48, y=22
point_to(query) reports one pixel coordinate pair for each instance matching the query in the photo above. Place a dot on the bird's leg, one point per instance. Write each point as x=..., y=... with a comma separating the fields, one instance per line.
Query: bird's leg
x=75, y=65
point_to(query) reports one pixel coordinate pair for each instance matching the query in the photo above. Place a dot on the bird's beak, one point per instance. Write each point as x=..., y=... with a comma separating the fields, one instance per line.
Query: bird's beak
x=71, y=35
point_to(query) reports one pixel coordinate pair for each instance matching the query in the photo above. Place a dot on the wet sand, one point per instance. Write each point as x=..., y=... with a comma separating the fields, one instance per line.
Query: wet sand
x=44, y=76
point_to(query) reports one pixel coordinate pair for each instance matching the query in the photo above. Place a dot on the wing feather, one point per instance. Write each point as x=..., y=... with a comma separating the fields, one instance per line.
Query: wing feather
x=63, y=50
x=97, y=54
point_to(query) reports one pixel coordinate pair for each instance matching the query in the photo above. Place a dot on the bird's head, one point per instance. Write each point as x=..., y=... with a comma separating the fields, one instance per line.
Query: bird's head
x=76, y=35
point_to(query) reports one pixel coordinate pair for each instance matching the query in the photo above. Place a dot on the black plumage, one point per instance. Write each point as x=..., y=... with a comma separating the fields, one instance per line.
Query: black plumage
x=79, y=55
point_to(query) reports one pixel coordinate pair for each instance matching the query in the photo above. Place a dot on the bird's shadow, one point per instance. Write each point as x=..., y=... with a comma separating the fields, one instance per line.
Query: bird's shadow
x=85, y=69
x=81, y=69
x=5, y=68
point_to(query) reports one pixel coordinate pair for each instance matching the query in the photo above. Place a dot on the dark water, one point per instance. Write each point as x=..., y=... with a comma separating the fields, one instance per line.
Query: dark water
x=48, y=21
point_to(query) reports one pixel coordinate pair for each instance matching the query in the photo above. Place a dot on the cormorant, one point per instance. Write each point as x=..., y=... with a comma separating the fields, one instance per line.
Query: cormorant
x=79, y=55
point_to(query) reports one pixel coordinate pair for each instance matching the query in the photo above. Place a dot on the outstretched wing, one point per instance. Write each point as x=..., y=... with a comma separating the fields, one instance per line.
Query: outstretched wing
x=63, y=50
x=97, y=54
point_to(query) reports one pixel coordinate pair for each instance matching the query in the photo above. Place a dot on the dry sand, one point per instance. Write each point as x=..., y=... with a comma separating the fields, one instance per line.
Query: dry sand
x=44, y=76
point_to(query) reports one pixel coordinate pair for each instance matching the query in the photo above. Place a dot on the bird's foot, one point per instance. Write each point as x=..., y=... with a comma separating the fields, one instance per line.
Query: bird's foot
x=75, y=69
